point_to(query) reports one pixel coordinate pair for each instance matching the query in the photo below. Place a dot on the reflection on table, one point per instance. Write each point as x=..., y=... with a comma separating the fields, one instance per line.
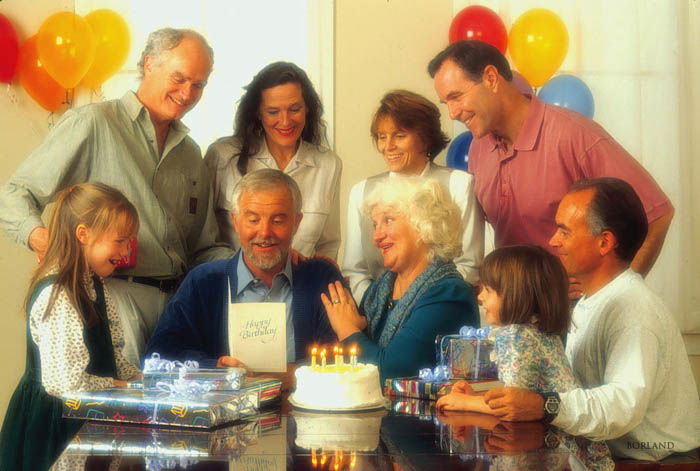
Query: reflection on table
x=408, y=436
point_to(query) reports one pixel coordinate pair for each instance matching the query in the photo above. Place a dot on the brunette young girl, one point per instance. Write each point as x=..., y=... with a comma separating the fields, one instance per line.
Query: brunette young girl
x=525, y=293
x=74, y=337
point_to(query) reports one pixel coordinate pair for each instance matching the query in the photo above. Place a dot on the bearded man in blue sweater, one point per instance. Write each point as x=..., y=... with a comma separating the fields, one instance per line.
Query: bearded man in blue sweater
x=266, y=214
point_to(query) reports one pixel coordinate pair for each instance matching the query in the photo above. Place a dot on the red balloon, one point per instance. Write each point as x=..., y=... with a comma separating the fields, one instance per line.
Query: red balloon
x=9, y=50
x=478, y=22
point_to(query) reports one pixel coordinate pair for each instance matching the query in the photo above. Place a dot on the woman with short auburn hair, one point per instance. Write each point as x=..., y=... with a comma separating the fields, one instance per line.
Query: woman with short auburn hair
x=406, y=131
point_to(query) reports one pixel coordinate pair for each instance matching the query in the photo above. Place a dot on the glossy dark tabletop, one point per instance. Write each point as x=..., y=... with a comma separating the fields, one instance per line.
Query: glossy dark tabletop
x=407, y=436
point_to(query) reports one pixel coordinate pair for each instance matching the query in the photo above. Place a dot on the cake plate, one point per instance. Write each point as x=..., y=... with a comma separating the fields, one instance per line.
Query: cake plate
x=379, y=405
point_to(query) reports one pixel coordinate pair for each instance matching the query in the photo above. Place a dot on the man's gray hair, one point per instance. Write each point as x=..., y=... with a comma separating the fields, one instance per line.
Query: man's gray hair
x=266, y=179
x=165, y=39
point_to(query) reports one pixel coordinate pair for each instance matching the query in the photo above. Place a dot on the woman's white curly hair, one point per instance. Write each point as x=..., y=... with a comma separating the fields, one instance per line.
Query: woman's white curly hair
x=427, y=206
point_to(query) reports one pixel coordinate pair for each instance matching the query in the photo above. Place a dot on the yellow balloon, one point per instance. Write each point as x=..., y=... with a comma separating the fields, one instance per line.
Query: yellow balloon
x=113, y=43
x=538, y=42
x=66, y=47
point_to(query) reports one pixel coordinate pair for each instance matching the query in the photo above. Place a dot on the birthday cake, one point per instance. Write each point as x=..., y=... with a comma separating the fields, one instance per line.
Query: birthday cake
x=337, y=387
x=347, y=432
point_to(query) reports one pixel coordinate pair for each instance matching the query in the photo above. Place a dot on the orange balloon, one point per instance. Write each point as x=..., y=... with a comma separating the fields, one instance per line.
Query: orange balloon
x=35, y=80
x=538, y=42
x=112, y=45
x=66, y=47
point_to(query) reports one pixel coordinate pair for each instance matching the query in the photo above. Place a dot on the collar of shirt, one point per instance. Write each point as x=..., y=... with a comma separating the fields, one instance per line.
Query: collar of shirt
x=588, y=303
x=303, y=156
x=529, y=133
x=246, y=280
x=138, y=113
x=134, y=108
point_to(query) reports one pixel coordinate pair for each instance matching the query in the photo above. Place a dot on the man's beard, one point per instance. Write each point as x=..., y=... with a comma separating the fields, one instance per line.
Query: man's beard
x=264, y=262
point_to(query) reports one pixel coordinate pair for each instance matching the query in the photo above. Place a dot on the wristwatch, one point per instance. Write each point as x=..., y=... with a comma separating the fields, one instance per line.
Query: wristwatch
x=551, y=405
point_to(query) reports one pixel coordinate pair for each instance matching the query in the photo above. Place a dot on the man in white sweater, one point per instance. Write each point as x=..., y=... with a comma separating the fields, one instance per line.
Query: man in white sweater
x=625, y=348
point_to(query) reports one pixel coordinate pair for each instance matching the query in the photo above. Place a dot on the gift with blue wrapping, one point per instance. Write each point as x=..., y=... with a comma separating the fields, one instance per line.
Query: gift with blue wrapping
x=470, y=354
x=153, y=406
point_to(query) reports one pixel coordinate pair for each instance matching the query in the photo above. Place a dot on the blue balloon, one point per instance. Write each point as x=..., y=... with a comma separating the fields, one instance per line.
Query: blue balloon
x=458, y=152
x=570, y=92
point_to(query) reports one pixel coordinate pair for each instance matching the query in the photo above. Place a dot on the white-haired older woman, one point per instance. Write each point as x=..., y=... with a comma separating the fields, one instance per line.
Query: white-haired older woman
x=417, y=229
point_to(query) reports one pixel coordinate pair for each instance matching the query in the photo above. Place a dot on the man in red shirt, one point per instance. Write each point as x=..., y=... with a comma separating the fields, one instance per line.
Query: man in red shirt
x=526, y=154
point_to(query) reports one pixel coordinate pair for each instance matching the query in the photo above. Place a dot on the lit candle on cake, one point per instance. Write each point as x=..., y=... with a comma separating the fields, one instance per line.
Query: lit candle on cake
x=353, y=459
x=314, y=351
x=353, y=356
x=340, y=359
x=323, y=359
x=323, y=458
x=335, y=356
x=314, y=460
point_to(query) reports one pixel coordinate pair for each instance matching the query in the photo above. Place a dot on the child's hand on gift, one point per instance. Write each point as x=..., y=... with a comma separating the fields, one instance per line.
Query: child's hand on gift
x=462, y=387
x=453, y=401
x=463, y=397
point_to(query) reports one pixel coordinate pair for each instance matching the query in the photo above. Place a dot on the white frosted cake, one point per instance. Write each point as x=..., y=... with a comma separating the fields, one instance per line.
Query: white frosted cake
x=348, y=432
x=337, y=388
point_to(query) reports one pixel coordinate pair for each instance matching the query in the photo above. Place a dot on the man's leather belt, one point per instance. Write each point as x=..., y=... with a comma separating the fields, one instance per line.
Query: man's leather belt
x=165, y=286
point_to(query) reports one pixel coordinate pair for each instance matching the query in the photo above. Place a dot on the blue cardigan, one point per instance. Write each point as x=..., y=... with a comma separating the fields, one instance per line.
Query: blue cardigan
x=194, y=325
x=442, y=309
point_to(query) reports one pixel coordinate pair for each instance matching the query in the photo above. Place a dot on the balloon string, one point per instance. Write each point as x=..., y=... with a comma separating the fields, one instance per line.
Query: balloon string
x=69, y=97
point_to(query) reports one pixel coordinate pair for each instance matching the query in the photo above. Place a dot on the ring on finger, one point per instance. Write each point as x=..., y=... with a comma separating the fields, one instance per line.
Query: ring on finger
x=336, y=301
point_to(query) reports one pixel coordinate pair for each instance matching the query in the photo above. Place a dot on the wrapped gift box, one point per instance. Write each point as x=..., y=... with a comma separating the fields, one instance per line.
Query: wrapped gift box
x=219, y=379
x=268, y=389
x=415, y=388
x=147, y=406
x=432, y=390
x=469, y=358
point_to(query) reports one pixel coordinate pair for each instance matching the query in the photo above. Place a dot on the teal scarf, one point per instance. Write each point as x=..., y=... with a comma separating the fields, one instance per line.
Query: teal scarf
x=377, y=303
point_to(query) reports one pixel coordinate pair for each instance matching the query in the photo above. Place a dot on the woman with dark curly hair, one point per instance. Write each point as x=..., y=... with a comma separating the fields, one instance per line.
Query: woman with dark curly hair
x=279, y=125
x=406, y=131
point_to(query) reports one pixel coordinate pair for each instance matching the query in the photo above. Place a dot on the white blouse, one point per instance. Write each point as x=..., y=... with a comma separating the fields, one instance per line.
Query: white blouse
x=317, y=172
x=62, y=350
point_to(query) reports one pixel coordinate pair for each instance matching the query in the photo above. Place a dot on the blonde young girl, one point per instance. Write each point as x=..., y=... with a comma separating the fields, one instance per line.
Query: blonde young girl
x=74, y=337
x=524, y=292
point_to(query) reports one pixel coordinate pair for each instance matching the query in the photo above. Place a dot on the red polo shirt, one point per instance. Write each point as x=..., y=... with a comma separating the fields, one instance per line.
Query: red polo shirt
x=520, y=190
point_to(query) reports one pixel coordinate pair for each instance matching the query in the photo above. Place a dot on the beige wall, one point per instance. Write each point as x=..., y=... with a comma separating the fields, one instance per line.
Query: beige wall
x=23, y=125
x=380, y=46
